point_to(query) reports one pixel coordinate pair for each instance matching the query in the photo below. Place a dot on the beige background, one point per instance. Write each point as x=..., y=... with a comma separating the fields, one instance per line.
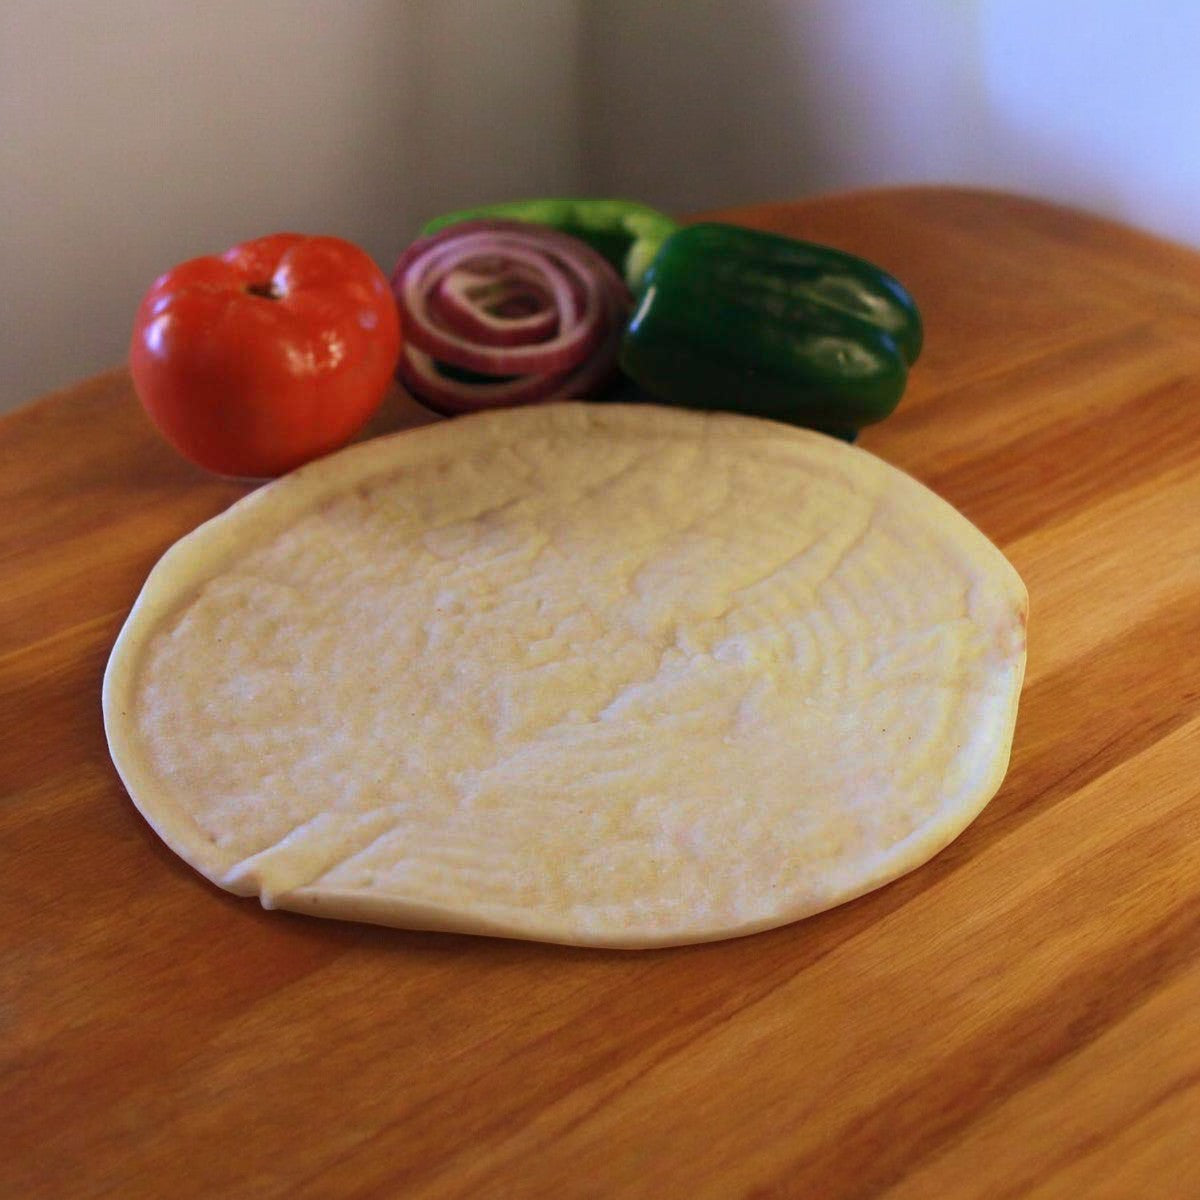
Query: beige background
x=136, y=133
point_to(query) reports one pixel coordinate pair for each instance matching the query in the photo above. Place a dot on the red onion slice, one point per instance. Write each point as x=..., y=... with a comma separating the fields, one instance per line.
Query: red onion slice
x=538, y=309
x=453, y=397
x=473, y=305
x=600, y=369
x=577, y=331
x=419, y=373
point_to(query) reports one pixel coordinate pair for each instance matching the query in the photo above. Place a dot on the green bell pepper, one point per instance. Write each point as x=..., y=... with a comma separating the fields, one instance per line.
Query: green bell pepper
x=736, y=319
x=626, y=233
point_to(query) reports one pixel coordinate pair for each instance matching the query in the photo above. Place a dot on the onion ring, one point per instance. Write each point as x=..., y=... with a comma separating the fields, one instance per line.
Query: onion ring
x=536, y=313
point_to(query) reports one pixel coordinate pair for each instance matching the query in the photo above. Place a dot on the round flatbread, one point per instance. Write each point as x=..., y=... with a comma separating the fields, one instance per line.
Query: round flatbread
x=597, y=674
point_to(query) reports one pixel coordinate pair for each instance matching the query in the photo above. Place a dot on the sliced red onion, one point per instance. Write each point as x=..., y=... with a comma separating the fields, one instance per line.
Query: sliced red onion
x=474, y=305
x=536, y=311
x=451, y=397
x=419, y=373
x=577, y=331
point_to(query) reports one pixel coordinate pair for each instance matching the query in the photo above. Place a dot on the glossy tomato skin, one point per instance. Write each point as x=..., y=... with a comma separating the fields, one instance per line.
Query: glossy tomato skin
x=257, y=360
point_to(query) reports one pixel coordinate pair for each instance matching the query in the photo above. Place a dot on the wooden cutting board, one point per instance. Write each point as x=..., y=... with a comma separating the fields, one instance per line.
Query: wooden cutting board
x=1017, y=1018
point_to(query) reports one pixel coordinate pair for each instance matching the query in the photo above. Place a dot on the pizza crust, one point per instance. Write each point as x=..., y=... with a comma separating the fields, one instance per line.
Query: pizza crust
x=606, y=675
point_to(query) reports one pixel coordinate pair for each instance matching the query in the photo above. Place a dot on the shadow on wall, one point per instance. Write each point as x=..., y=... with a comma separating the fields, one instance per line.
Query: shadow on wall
x=687, y=104
x=709, y=104
x=705, y=104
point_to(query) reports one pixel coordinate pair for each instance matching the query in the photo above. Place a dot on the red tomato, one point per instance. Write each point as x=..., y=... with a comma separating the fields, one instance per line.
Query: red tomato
x=274, y=353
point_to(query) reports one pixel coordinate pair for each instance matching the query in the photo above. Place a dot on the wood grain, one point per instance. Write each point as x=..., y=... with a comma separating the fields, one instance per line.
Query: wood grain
x=1016, y=1019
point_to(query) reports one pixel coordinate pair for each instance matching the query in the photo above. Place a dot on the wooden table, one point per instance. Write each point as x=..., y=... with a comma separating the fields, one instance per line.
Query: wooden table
x=1019, y=1018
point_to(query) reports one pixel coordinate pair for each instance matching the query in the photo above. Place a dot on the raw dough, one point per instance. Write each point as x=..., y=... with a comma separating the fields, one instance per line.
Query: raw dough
x=598, y=674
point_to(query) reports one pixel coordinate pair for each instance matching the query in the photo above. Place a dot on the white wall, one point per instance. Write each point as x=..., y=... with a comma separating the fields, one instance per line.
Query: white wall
x=135, y=133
